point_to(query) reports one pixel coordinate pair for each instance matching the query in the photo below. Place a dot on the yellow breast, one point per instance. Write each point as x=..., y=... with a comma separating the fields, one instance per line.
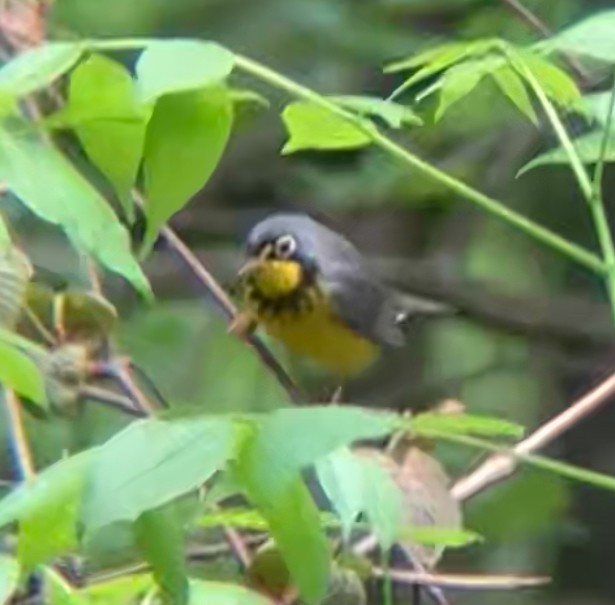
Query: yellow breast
x=312, y=330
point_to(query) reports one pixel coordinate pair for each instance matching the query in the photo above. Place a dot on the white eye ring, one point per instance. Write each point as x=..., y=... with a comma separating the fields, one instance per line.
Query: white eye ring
x=285, y=246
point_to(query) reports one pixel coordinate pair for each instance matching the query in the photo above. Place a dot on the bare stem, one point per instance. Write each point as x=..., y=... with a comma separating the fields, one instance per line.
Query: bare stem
x=19, y=438
x=501, y=465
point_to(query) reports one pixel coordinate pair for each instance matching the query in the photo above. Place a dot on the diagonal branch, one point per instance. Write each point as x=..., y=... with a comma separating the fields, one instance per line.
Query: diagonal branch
x=499, y=466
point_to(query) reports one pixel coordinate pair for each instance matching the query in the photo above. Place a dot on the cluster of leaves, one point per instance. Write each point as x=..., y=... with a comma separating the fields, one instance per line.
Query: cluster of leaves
x=165, y=126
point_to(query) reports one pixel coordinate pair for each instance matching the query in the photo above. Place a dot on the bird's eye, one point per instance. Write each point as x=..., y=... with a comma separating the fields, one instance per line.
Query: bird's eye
x=285, y=246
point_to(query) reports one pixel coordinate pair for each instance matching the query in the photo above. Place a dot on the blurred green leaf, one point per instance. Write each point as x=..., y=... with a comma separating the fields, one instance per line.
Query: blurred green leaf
x=588, y=147
x=38, y=67
x=160, y=537
x=185, y=140
x=592, y=37
x=9, y=577
x=310, y=126
x=15, y=274
x=269, y=465
x=394, y=114
x=597, y=105
x=61, y=195
x=20, y=373
x=60, y=483
x=57, y=591
x=151, y=462
x=124, y=590
x=358, y=484
x=511, y=85
x=440, y=536
x=169, y=66
x=244, y=518
x=218, y=593
x=110, y=122
x=464, y=424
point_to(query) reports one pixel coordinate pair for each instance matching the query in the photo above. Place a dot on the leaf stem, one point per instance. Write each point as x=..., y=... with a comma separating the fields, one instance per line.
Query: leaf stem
x=490, y=205
x=592, y=191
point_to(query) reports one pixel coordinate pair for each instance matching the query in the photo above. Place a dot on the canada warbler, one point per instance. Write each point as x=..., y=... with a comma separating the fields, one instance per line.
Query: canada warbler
x=309, y=287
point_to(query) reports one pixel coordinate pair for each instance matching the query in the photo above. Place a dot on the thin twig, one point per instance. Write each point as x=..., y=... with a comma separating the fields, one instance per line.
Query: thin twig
x=462, y=581
x=111, y=399
x=120, y=373
x=498, y=466
x=542, y=29
x=19, y=439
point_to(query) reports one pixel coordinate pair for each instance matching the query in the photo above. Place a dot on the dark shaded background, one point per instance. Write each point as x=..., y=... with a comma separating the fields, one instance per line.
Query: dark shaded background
x=535, y=332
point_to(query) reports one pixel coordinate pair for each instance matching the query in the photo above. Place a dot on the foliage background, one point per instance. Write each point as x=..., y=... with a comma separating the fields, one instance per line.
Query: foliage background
x=417, y=235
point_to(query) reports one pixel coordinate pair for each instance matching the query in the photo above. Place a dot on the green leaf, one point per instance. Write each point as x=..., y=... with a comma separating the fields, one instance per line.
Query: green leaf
x=512, y=86
x=464, y=424
x=440, y=536
x=269, y=465
x=588, y=147
x=160, y=537
x=592, y=37
x=597, y=105
x=9, y=577
x=311, y=126
x=394, y=114
x=185, y=140
x=57, y=591
x=15, y=274
x=357, y=484
x=244, y=518
x=168, y=66
x=124, y=590
x=555, y=82
x=151, y=462
x=37, y=67
x=218, y=593
x=460, y=81
x=20, y=373
x=61, y=482
x=110, y=122
x=17, y=340
x=61, y=195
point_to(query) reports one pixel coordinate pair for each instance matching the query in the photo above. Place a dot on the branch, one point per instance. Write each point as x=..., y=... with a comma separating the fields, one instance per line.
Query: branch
x=498, y=466
x=19, y=439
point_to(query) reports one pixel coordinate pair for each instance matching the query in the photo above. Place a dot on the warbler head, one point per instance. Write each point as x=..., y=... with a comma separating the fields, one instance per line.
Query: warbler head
x=281, y=255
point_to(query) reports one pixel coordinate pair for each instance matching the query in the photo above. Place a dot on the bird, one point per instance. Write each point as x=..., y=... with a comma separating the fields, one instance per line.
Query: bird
x=310, y=288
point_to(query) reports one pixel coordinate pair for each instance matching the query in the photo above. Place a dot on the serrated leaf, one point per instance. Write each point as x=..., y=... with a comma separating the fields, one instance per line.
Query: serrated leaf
x=104, y=110
x=464, y=424
x=151, y=462
x=169, y=66
x=310, y=126
x=9, y=577
x=219, y=593
x=512, y=86
x=19, y=373
x=394, y=114
x=61, y=195
x=185, y=140
x=555, y=82
x=38, y=67
x=592, y=37
x=60, y=482
x=160, y=537
x=588, y=147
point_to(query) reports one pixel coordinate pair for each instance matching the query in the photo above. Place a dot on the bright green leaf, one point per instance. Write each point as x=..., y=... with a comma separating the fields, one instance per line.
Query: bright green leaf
x=394, y=114
x=597, y=105
x=160, y=537
x=440, y=536
x=61, y=195
x=512, y=86
x=61, y=482
x=218, y=593
x=124, y=590
x=9, y=577
x=185, y=140
x=244, y=518
x=168, y=66
x=57, y=591
x=20, y=373
x=592, y=37
x=464, y=424
x=588, y=147
x=109, y=120
x=151, y=462
x=311, y=126
x=38, y=67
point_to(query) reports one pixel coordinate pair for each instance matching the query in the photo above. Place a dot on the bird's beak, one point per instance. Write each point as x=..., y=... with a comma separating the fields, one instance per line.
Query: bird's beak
x=251, y=265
